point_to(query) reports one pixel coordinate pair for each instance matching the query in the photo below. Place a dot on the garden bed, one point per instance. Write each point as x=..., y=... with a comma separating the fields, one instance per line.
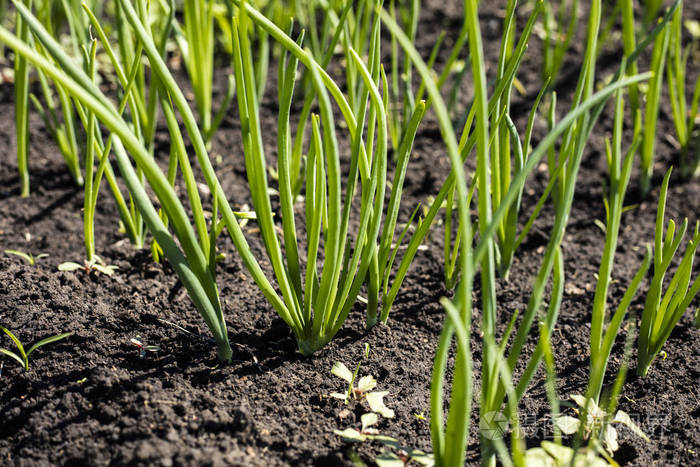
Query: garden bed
x=93, y=400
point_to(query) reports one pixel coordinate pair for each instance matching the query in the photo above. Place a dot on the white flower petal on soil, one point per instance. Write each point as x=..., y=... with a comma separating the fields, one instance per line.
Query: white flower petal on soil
x=350, y=435
x=338, y=395
x=376, y=403
x=561, y=454
x=389, y=459
x=568, y=425
x=611, y=439
x=69, y=266
x=368, y=420
x=388, y=441
x=538, y=457
x=366, y=384
x=579, y=399
x=341, y=371
x=422, y=458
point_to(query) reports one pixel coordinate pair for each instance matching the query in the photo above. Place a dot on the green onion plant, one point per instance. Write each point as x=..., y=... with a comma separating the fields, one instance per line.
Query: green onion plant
x=450, y=436
x=64, y=130
x=467, y=144
x=374, y=251
x=651, y=9
x=508, y=153
x=447, y=192
x=663, y=308
x=317, y=302
x=22, y=110
x=92, y=180
x=604, y=331
x=558, y=33
x=651, y=110
x=190, y=256
x=59, y=119
x=95, y=147
x=143, y=106
x=628, y=45
x=197, y=42
x=330, y=293
x=684, y=116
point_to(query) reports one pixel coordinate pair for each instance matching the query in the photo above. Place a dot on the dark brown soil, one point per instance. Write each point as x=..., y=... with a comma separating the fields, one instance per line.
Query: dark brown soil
x=91, y=400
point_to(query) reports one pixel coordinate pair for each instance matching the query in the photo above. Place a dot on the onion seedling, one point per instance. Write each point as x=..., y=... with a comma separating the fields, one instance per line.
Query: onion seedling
x=63, y=130
x=143, y=348
x=130, y=74
x=449, y=441
x=569, y=159
x=332, y=300
x=23, y=357
x=663, y=309
x=28, y=257
x=332, y=293
x=684, y=117
x=464, y=148
x=468, y=142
